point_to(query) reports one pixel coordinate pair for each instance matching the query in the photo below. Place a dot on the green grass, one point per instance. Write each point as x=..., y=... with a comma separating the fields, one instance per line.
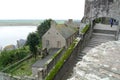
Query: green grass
x=25, y=68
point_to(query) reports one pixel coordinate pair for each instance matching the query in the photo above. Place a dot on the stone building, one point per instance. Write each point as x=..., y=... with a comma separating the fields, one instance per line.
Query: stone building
x=71, y=23
x=102, y=8
x=58, y=36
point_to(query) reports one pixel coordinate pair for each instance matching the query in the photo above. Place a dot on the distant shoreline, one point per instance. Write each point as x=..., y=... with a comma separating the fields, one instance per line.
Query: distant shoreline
x=25, y=22
x=18, y=24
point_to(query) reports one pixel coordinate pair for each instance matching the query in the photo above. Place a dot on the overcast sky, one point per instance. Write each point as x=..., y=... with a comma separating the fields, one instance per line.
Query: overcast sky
x=41, y=9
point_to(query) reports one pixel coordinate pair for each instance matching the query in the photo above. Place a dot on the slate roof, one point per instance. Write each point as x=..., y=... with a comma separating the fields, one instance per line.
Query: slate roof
x=65, y=30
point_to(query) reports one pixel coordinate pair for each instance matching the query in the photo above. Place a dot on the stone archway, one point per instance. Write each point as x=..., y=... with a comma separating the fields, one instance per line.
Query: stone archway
x=105, y=20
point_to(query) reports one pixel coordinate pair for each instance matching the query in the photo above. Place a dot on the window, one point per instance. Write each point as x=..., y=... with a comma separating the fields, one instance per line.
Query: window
x=58, y=44
x=47, y=43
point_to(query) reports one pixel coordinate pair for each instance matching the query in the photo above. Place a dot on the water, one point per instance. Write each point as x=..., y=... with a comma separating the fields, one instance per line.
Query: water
x=10, y=34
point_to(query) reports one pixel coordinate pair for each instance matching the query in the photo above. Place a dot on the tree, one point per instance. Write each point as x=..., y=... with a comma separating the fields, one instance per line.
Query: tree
x=33, y=41
x=43, y=28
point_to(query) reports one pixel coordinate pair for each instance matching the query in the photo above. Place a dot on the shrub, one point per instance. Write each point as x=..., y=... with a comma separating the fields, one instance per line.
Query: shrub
x=9, y=57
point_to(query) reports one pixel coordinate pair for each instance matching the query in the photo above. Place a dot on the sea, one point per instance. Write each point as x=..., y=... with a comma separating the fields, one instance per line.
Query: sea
x=10, y=34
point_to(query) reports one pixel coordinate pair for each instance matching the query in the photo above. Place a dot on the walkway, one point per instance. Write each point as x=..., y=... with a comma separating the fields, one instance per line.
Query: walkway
x=40, y=63
x=101, y=34
x=105, y=27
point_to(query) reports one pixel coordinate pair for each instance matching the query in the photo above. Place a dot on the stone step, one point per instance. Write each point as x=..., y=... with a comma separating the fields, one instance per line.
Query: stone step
x=92, y=46
x=104, y=31
x=80, y=56
x=78, y=59
x=95, y=42
x=97, y=33
x=106, y=27
x=98, y=37
x=119, y=37
x=86, y=49
x=101, y=39
x=102, y=35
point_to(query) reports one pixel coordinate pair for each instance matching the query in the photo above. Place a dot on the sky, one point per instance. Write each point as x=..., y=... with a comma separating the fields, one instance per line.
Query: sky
x=41, y=9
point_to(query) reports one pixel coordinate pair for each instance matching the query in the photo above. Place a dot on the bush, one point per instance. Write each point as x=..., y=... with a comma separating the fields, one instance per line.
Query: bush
x=97, y=20
x=9, y=57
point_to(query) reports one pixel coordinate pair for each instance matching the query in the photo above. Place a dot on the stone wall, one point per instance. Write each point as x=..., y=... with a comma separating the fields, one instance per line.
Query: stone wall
x=52, y=62
x=102, y=8
x=100, y=63
x=51, y=37
x=71, y=61
x=43, y=72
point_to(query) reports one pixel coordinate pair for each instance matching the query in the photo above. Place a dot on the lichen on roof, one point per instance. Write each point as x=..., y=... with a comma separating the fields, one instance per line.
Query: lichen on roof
x=65, y=31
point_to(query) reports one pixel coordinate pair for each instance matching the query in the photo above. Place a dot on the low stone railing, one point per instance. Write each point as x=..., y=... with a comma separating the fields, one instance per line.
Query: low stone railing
x=13, y=65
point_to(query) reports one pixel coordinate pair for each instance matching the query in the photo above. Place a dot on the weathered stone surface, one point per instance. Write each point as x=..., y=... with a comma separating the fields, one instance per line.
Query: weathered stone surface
x=102, y=8
x=100, y=63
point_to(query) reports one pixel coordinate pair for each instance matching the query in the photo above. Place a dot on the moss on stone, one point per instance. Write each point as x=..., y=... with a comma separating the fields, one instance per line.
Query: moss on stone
x=60, y=63
x=85, y=28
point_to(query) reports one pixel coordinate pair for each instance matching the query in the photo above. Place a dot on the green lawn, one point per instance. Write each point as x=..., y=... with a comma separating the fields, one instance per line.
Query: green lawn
x=25, y=68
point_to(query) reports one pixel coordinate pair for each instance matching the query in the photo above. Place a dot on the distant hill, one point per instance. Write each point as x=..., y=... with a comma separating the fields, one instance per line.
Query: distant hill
x=20, y=22
x=26, y=22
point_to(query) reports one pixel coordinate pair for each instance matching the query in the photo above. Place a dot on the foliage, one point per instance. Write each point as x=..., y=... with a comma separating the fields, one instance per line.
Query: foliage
x=98, y=20
x=60, y=63
x=33, y=41
x=23, y=68
x=85, y=29
x=43, y=28
x=10, y=57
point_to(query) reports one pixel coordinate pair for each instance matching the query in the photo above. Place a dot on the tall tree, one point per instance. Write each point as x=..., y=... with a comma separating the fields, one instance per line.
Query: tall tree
x=43, y=28
x=33, y=41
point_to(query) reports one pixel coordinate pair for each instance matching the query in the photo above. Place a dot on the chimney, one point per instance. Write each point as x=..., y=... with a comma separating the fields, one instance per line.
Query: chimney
x=53, y=23
x=70, y=20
